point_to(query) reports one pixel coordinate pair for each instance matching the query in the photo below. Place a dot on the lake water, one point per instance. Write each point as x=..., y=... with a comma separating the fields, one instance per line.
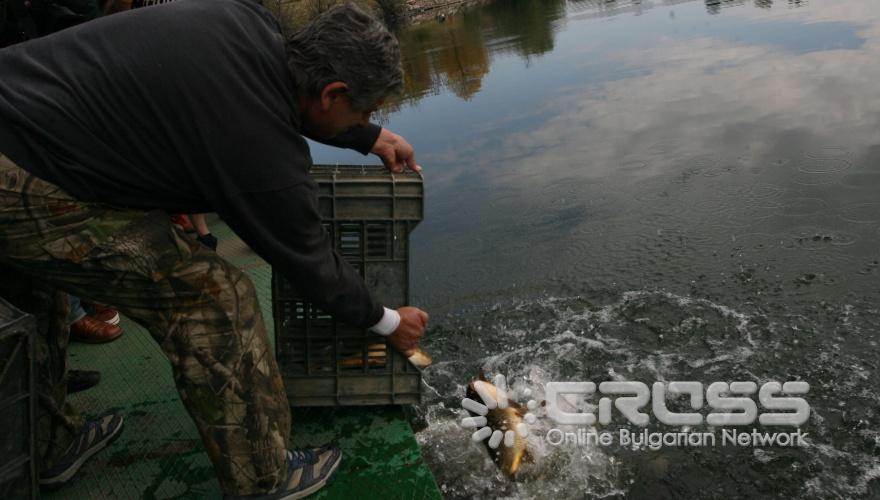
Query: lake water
x=650, y=191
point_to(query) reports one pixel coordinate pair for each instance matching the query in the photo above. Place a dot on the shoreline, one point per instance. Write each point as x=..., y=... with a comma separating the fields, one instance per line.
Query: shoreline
x=421, y=11
x=292, y=14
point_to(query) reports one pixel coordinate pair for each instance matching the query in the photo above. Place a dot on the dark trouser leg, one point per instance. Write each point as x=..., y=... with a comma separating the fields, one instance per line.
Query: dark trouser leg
x=200, y=309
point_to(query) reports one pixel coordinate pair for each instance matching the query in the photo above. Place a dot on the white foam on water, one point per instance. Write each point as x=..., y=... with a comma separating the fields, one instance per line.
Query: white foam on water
x=568, y=339
x=830, y=484
x=728, y=312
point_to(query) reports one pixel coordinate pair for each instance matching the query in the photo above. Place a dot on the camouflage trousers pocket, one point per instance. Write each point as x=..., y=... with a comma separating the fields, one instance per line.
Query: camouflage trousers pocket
x=126, y=243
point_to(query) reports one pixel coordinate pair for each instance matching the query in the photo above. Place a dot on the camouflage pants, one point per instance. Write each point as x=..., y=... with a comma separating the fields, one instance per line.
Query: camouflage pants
x=201, y=310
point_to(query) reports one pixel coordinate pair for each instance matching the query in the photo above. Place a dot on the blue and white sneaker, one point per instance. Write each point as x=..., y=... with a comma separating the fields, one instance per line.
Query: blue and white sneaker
x=308, y=471
x=92, y=438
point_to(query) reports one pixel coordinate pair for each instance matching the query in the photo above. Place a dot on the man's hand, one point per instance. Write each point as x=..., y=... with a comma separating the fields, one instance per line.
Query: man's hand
x=396, y=153
x=413, y=322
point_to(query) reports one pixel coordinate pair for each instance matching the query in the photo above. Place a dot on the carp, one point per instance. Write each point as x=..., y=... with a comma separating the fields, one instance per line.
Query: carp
x=420, y=359
x=502, y=421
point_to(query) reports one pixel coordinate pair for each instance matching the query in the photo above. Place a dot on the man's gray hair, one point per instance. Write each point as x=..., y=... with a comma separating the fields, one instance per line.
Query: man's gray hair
x=348, y=45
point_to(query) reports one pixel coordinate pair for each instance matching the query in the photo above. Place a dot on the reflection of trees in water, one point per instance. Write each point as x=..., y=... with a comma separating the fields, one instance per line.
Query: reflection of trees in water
x=451, y=54
x=607, y=8
x=456, y=54
x=715, y=6
x=529, y=24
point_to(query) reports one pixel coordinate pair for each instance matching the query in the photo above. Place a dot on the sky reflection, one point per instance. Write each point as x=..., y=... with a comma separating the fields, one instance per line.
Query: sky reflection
x=593, y=125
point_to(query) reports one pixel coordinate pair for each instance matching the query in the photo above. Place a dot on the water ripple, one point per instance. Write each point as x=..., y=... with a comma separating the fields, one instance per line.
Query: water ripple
x=861, y=213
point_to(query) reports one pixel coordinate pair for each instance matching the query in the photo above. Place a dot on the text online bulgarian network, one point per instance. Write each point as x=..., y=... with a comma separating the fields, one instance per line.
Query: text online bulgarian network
x=733, y=404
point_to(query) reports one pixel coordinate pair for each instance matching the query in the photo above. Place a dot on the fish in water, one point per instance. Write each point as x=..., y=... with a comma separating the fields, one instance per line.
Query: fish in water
x=505, y=418
x=420, y=359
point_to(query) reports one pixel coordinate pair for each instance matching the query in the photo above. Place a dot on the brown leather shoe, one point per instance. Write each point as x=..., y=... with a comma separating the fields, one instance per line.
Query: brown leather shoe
x=106, y=314
x=92, y=331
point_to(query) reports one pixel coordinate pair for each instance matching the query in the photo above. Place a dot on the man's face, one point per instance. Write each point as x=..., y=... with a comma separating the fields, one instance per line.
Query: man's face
x=331, y=113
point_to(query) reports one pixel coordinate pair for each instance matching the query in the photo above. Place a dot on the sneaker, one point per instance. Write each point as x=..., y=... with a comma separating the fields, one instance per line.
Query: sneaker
x=307, y=472
x=106, y=314
x=92, y=331
x=94, y=436
x=80, y=380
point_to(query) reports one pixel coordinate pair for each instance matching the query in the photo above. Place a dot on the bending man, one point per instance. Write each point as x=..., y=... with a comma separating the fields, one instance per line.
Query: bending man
x=189, y=107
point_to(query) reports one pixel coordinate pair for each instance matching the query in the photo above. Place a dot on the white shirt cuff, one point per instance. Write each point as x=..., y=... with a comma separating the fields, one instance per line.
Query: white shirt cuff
x=389, y=322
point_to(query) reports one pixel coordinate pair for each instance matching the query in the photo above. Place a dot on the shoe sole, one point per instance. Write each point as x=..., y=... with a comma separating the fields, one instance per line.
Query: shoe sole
x=63, y=478
x=317, y=486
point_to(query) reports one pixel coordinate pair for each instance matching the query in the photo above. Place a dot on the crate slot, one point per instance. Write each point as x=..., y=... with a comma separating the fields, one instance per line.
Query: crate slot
x=362, y=355
x=350, y=240
x=318, y=318
x=321, y=356
x=378, y=241
x=292, y=354
x=381, y=353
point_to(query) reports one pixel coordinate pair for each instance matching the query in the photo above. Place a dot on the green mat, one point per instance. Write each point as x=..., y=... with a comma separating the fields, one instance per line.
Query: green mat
x=160, y=455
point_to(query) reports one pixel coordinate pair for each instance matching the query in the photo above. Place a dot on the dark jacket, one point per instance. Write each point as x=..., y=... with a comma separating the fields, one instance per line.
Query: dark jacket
x=189, y=107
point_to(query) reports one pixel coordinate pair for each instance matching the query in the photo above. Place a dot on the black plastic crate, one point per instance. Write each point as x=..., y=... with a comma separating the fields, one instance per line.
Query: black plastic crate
x=369, y=212
x=18, y=474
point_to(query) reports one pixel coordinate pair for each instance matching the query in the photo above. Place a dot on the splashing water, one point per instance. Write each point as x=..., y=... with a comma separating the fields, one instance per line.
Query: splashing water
x=652, y=336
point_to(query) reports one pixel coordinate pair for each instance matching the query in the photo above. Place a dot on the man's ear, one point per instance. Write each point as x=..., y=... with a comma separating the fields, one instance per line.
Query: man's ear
x=331, y=93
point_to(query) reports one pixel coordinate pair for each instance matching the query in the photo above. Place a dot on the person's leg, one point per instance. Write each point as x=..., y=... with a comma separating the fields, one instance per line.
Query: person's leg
x=76, y=309
x=204, y=233
x=199, y=222
x=200, y=309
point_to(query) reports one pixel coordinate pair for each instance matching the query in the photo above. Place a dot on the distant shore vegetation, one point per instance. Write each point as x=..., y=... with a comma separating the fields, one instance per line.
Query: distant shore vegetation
x=294, y=14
